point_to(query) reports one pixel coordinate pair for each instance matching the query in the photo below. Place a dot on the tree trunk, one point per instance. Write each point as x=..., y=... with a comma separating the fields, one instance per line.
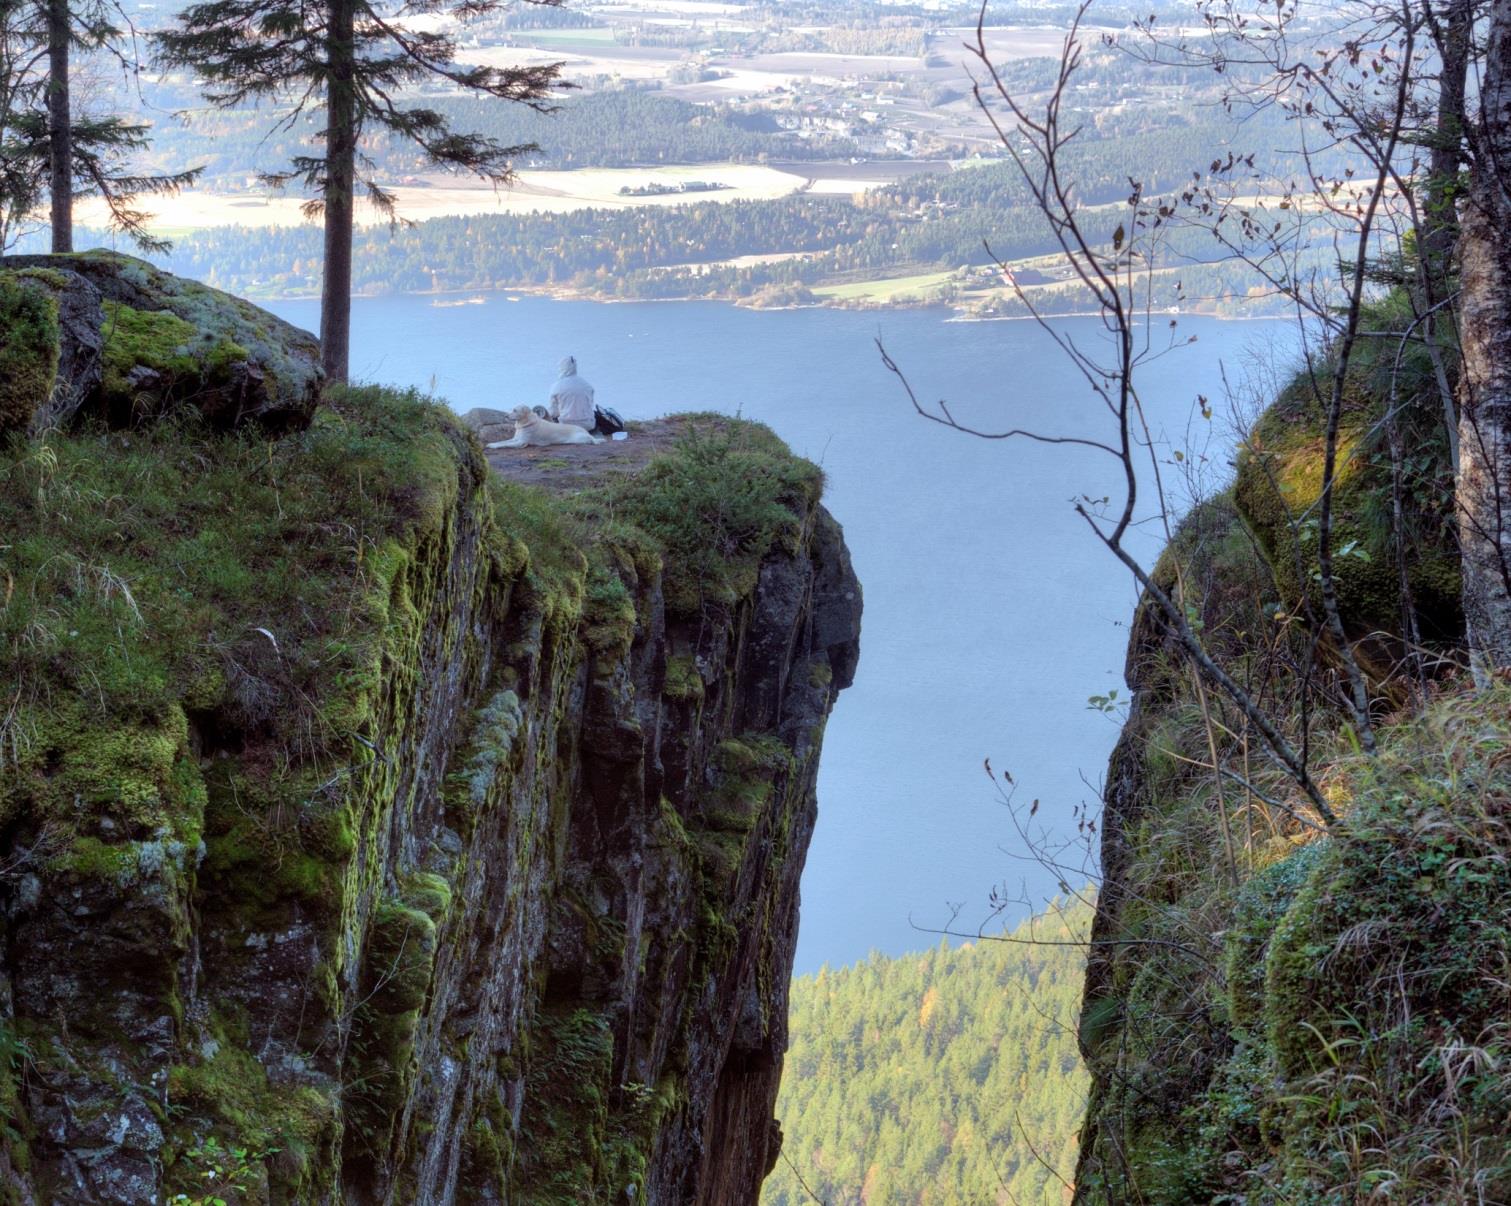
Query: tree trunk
x=1442, y=227
x=59, y=126
x=1439, y=224
x=340, y=188
x=1484, y=481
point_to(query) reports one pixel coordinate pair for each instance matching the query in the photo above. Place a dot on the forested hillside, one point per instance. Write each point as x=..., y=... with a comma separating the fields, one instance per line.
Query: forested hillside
x=935, y=1077
x=595, y=129
x=949, y=223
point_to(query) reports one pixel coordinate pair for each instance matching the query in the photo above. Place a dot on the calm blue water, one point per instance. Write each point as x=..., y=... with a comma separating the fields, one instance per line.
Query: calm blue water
x=991, y=613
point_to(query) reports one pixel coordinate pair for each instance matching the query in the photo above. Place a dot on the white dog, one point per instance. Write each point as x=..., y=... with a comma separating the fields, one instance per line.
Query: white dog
x=531, y=431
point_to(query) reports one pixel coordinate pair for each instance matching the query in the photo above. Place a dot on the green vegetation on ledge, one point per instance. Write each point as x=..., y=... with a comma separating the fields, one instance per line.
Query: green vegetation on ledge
x=138, y=598
x=716, y=506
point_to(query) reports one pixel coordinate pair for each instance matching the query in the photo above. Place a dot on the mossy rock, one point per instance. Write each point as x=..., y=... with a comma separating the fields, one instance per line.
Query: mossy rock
x=282, y=1128
x=746, y=771
x=1279, y=485
x=28, y=350
x=564, y=1129
x=153, y=357
x=684, y=681
x=167, y=343
x=381, y=1071
x=727, y=495
x=401, y=949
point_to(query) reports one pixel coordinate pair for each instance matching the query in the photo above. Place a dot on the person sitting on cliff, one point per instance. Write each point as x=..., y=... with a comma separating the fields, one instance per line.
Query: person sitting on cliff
x=572, y=397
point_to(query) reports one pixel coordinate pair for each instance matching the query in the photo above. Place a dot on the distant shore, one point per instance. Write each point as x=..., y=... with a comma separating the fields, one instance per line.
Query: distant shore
x=567, y=293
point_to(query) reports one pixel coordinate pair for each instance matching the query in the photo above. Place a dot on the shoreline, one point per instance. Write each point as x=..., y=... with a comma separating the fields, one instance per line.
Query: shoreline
x=559, y=293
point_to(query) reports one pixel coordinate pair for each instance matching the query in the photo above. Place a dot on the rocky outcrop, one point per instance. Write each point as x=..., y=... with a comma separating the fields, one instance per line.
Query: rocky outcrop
x=399, y=835
x=1276, y=1004
x=489, y=424
x=133, y=343
x=52, y=363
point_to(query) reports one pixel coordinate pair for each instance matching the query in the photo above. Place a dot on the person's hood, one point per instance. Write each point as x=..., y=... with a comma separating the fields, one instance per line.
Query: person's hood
x=567, y=368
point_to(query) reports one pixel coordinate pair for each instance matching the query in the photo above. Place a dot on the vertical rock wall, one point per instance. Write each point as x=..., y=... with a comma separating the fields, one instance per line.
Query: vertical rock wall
x=529, y=942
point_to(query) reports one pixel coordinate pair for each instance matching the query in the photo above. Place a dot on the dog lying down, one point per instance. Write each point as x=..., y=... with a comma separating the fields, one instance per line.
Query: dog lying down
x=531, y=431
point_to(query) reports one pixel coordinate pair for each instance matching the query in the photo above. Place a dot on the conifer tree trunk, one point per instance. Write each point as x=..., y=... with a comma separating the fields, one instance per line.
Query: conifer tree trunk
x=1441, y=235
x=1484, y=481
x=1440, y=228
x=340, y=186
x=59, y=126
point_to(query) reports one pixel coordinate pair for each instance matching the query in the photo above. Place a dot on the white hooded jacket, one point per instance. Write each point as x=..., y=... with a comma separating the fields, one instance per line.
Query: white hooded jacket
x=572, y=397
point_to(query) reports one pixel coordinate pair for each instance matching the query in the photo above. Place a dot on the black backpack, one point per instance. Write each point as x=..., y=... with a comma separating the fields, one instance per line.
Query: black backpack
x=606, y=421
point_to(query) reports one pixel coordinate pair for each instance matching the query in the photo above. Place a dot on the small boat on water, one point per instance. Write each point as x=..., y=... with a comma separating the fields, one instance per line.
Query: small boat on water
x=446, y=303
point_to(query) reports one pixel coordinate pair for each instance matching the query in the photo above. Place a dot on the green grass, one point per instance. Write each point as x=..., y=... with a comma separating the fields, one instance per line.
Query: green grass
x=714, y=507
x=171, y=569
x=1387, y=1004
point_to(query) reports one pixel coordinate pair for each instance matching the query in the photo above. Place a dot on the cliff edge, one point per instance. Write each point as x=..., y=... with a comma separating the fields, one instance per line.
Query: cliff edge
x=373, y=827
x=1280, y=1008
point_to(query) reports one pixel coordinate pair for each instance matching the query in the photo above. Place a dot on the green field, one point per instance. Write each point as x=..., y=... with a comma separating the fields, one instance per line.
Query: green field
x=588, y=36
x=887, y=289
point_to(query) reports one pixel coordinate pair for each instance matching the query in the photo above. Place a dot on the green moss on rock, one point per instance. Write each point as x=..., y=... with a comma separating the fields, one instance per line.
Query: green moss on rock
x=29, y=350
x=1279, y=485
x=152, y=358
x=564, y=1132
x=284, y=1128
x=684, y=681
x=169, y=341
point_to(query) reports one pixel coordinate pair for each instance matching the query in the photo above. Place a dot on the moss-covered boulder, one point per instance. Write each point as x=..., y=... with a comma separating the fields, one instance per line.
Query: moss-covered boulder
x=1376, y=497
x=28, y=350
x=138, y=343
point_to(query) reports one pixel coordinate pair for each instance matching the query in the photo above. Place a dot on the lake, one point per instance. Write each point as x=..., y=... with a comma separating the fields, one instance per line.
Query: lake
x=992, y=614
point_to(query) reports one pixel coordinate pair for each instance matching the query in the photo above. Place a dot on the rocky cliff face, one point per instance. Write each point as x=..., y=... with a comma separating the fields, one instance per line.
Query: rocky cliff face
x=1278, y=1009
x=376, y=830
